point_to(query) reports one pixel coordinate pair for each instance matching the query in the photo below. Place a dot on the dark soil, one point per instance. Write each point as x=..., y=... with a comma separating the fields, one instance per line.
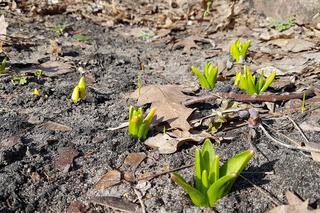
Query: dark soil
x=30, y=180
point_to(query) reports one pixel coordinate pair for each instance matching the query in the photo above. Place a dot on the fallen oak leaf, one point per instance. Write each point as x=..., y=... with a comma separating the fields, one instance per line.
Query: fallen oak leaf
x=167, y=99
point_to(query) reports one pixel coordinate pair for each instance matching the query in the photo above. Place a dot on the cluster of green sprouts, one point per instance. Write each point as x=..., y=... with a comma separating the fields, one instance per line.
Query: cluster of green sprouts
x=252, y=85
x=212, y=182
x=245, y=81
x=208, y=78
x=79, y=91
x=239, y=50
x=139, y=126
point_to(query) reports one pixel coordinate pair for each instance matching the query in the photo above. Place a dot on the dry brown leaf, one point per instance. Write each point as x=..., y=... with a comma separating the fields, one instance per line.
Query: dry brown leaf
x=54, y=48
x=167, y=99
x=111, y=178
x=55, y=68
x=56, y=127
x=187, y=44
x=77, y=207
x=116, y=203
x=133, y=160
x=65, y=159
x=293, y=44
x=296, y=205
x=223, y=19
x=167, y=144
x=130, y=164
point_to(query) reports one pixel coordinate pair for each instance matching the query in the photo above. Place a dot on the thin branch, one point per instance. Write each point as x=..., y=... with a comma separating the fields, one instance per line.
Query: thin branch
x=287, y=145
x=249, y=98
x=299, y=129
x=283, y=135
x=200, y=120
x=140, y=200
x=149, y=177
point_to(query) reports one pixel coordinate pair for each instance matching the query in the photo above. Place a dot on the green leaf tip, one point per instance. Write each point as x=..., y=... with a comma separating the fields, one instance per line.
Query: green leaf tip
x=239, y=50
x=252, y=85
x=208, y=78
x=79, y=91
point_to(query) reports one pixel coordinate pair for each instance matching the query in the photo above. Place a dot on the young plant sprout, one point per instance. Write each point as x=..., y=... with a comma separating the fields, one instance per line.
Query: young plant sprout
x=3, y=66
x=208, y=78
x=139, y=127
x=239, y=50
x=250, y=84
x=211, y=181
x=303, y=103
x=208, y=7
x=79, y=92
x=36, y=92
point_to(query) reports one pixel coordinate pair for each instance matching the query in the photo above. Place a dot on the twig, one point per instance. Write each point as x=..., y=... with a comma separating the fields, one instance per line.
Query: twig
x=283, y=135
x=163, y=173
x=264, y=192
x=263, y=173
x=287, y=145
x=140, y=200
x=299, y=129
x=200, y=120
x=249, y=98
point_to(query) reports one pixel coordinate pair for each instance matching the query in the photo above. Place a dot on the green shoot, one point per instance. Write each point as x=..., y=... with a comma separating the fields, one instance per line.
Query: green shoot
x=239, y=50
x=19, y=80
x=282, y=25
x=250, y=84
x=207, y=11
x=36, y=92
x=303, y=103
x=59, y=29
x=81, y=38
x=139, y=127
x=3, y=66
x=208, y=78
x=38, y=73
x=146, y=36
x=79, y=91
x=212, y=182
x=219, y=120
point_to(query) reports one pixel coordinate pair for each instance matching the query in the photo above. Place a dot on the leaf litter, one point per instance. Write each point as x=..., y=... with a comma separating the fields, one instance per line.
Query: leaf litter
x=125, y=16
